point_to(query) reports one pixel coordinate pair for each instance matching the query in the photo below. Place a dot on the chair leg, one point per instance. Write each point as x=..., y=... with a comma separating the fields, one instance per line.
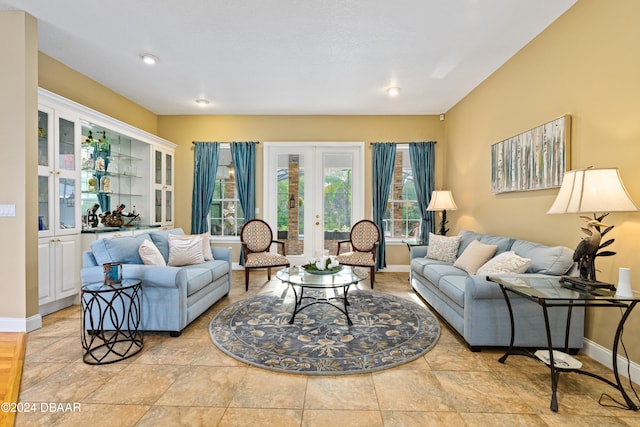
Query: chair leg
x=246, y=279
x=268, y=273
x=372, y=276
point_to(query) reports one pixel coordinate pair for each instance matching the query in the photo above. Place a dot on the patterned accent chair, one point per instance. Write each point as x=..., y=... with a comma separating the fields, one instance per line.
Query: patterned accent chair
x=256, y=238
x=363, y=239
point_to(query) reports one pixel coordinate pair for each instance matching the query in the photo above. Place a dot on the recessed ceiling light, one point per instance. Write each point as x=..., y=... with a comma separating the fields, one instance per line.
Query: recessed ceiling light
x=393, y=91
x=149, y=59
x=202, y=102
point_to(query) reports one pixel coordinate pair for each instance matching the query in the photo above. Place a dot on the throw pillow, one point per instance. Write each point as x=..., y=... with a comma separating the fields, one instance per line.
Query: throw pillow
x=150, y=254
x=475, y=256
x=443, y=248
x=185, y=250
x=206, y=247
x=506, y=262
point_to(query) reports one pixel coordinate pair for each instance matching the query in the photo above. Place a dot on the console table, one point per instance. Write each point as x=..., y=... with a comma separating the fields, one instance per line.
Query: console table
x=549, y=292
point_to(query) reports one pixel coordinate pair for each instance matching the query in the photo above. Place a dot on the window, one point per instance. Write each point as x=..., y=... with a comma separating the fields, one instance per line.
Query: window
x=402, y=217
x=226, y=217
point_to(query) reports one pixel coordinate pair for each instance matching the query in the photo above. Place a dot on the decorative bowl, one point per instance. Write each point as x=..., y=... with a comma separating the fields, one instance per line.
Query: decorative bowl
x=311, y=268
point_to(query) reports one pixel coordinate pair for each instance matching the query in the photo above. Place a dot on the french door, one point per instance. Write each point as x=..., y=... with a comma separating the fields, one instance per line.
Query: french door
x=313, y=194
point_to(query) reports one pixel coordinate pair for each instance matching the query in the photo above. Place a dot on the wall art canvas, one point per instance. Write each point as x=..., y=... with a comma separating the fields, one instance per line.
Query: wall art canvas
x=533, y=160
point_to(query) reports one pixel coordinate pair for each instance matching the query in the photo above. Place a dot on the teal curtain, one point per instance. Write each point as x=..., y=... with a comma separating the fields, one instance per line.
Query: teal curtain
x=205, y=168
x=383, y=158
x=243, y=155
x=421, y=155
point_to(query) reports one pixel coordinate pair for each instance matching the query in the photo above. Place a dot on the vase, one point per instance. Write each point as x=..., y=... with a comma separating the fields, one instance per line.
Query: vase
x=624, y=283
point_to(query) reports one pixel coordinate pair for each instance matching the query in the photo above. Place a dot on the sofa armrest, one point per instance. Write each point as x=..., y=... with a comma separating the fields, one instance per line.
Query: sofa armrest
x=418, y=251
x=154, y=275
x=223, y=254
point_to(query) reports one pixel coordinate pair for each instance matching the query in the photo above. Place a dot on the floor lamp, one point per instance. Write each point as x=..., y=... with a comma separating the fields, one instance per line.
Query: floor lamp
x=442, y=200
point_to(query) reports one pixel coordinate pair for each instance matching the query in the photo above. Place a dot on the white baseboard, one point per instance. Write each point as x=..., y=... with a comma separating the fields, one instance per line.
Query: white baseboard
x=603, y=355
x=19, y=324
x=397, y=268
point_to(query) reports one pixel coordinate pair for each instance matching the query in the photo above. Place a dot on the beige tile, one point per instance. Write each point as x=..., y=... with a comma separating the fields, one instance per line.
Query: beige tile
x=173, y=351
x=192, y=416
x=353, y=392
x=405, y=390
x=450, y=356
x=35, y=372
x=241, y=417
x=501, y=420
x=481, y=392
x=88, y=415
x=421, y=419
x=203, y=386
x=319, y=418
x=136, y=384
x=265, y=389
x=563, y=420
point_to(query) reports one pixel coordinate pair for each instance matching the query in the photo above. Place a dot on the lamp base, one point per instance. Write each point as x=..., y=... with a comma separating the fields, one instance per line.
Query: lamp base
x=584, y=285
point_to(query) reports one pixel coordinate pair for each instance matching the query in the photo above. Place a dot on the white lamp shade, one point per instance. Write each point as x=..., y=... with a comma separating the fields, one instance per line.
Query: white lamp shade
x=591, y=191
x=442, y=200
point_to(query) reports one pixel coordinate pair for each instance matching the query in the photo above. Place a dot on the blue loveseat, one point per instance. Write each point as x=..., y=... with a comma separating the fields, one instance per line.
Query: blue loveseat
x=172, y=297
x=476, y=308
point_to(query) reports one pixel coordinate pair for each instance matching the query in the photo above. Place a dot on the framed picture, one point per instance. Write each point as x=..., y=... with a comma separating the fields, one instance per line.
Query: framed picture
x=533, y=160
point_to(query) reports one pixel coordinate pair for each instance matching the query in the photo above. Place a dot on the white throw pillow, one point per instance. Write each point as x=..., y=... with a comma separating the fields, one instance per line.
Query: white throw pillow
x=185, y=250
x=150, y=254
x=506, y=262
x=443, y=248
x=474, y=256
x=206, y=247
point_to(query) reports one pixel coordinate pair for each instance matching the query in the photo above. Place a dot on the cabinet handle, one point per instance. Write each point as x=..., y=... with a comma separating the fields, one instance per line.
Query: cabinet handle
x=57, y=172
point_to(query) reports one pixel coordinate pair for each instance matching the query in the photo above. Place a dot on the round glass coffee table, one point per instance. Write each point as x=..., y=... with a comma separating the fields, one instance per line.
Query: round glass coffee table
x=301, y=280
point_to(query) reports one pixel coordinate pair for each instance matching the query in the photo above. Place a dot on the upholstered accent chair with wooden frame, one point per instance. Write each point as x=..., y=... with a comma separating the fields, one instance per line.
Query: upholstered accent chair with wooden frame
x=256, y=238
x=363, y=239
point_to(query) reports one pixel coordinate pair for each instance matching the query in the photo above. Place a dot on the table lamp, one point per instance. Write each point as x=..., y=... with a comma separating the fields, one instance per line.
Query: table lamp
x=442, y=200
x=592, y=191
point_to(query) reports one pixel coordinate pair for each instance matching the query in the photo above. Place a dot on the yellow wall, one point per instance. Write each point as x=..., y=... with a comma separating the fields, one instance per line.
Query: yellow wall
x=64, y=81
x=586, y=64
x=182, y=130
x=18, y=165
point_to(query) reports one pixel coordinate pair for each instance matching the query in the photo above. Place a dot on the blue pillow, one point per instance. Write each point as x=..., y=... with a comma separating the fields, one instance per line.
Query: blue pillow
x=118, y=249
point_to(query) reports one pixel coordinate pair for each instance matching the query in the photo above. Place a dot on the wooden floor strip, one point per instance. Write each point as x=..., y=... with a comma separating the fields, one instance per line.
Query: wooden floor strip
x=12, y=349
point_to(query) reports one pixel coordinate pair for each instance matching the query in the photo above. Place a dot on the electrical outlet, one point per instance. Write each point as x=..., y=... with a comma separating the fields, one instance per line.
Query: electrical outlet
x=7, y=210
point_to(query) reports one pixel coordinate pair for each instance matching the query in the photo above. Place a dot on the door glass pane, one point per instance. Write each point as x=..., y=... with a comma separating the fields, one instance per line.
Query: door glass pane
x=158, y=165
x=67, y=203
x=167, y=167
x=290, y=184
x=43, y=203
x=168, y=205
x=158, y=206
x=337, y=183
x=43, y=138
x=66, y=145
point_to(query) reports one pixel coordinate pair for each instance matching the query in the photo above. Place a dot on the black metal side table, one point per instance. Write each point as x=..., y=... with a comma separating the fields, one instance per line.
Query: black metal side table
x=111, y=321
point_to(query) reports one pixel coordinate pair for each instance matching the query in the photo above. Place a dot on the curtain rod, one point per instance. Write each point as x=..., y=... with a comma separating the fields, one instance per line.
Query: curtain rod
x=222, y=142
x=405, y=143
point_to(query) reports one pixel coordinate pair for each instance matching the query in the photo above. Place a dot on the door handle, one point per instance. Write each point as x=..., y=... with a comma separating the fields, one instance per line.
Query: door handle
x=317, y=223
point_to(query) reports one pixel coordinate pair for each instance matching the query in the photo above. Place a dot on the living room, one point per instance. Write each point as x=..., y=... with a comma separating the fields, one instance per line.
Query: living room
x=584, y=64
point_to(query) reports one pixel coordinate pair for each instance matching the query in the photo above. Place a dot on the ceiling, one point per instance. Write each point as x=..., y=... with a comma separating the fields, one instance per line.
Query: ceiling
x=289, y=56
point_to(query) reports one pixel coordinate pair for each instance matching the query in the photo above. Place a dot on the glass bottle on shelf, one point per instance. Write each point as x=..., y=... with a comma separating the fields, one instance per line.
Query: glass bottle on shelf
x=105, y=184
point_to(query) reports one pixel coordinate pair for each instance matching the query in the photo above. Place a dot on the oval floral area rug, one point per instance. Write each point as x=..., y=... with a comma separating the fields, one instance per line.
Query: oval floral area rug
x=387, y=331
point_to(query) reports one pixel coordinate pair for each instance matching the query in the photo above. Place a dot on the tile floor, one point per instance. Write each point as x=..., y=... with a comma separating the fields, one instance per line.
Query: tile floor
x=188, y=381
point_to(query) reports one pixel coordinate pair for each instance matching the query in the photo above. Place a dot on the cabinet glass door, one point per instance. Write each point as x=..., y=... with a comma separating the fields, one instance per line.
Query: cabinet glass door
x=44, y=130
x=44, y=209
x=66, y=204
x=66, y=145
x=158, y=167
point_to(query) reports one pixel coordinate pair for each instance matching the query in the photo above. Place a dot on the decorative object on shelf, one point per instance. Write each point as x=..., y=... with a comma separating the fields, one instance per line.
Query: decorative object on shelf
x=105, y=184
x=92, y=185
x=100, y=164
x=624, y=283
x=112, y=273
x=592, y=190
x=89, y=140
x=533, y=160
x=104, y=143
x=442, y=200
x=92, y=218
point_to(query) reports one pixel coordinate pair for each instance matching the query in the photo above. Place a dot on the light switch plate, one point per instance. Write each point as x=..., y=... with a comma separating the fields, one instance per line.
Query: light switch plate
x=7, y=210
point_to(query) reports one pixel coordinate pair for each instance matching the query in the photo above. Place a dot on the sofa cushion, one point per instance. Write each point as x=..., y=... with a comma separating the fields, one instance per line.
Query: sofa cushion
x=433, y=272
x=160, y=238
x=475, y=256
x=185, y=250
x=443, y=248
x=119, y=249
x=453, y=287
x=554, y=260
x=150, y=254
x=466, y=237
x=506, y=262
x=197, y=278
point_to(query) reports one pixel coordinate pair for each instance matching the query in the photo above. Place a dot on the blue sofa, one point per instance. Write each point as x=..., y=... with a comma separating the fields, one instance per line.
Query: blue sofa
x=172, y=297
x=475, y=307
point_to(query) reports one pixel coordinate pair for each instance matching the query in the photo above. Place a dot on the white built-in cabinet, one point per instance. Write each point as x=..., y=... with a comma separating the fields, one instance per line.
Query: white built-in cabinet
x=67, y=178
